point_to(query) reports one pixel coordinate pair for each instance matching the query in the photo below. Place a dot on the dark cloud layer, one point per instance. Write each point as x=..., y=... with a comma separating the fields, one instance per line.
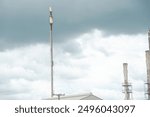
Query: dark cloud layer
x=24, y=22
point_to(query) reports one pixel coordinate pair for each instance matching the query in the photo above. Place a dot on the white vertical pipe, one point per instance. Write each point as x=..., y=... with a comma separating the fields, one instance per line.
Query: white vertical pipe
x=125, y=71
x=126, y=85
x=148, y=72
x=147, y=54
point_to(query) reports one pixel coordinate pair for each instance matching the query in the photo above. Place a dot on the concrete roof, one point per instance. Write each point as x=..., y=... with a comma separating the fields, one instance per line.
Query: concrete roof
x=86, y=96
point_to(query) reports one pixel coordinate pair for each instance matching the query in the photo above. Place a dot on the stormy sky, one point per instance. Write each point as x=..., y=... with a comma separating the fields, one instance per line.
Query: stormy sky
x=91, y=41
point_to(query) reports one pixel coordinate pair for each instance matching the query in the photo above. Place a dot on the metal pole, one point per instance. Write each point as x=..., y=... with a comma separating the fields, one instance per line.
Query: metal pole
x=51, y=48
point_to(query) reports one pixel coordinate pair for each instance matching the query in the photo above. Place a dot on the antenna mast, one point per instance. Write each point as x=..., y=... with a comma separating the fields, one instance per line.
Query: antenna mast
x=51, y=53
x=51, y=48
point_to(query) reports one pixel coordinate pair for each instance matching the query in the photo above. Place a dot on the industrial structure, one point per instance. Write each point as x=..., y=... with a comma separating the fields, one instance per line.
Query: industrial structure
x=126, y=85
x=86, y=96
x=51, y=54
x=147, y=52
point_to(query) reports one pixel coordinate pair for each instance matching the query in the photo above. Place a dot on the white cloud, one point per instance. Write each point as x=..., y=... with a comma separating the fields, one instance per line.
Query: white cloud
x=21, y=69
x=91, y=62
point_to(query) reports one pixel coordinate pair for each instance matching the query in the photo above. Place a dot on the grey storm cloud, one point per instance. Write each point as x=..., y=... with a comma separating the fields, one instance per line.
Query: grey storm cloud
x=80, y=46
x=26, y=22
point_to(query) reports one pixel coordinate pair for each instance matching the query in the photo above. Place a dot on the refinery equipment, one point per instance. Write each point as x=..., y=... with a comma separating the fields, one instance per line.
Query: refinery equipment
x=147, y=52
x=126, y=85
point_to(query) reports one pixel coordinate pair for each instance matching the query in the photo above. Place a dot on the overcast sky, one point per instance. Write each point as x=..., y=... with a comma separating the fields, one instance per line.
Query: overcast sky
x=91, y=41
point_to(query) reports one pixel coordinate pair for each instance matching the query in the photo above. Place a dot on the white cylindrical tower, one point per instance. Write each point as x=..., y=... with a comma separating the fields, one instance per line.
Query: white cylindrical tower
x=125, y=72
x=148, y=73
x=147, y=54
x=126, y=85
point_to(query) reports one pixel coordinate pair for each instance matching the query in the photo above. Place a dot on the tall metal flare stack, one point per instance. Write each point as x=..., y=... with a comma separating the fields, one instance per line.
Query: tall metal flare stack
x=147, y=52
x=126, y=85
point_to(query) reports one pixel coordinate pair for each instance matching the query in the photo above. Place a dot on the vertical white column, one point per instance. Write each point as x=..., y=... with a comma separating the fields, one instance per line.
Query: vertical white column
x=147, y=54
x=126, y=88
x=148, y=72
